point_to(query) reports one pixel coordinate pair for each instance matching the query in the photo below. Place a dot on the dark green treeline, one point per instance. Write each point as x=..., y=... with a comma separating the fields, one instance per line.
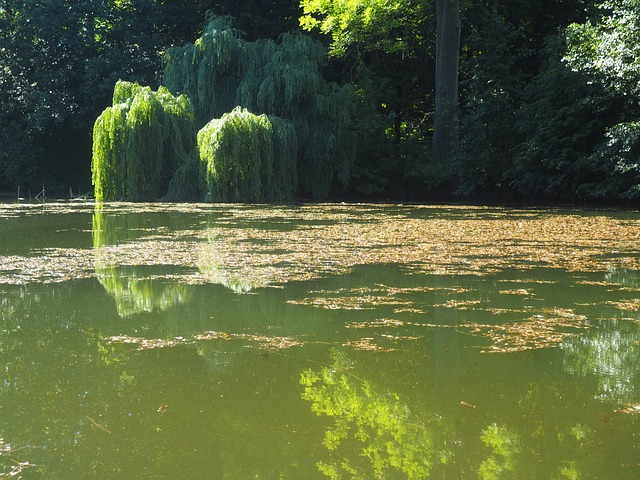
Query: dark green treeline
x=542, y=116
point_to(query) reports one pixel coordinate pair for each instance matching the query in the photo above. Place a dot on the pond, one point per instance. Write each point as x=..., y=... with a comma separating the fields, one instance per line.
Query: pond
x=164, y=341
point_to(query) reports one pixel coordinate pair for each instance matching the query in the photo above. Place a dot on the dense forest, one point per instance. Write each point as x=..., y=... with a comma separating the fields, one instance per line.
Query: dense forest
x=542, y=104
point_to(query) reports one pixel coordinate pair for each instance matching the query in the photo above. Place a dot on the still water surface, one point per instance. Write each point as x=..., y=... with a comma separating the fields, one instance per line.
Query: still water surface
x=158, y=341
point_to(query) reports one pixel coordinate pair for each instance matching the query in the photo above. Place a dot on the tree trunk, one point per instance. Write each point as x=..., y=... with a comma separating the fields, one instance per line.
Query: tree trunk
x=445, y=135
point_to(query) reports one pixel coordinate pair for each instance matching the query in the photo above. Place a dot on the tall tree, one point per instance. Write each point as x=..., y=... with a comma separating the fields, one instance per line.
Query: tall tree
x=527, y=123
x=245, y=156
x=59, y=60
x=386, y=49
x=259, y=18
x=445, y=130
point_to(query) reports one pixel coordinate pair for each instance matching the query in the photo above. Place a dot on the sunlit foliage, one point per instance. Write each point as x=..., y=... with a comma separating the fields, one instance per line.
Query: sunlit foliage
x=140, y=142
x=221, y=71
x=611, y=47
x=248, y=157
x=390, y=438
x=504, y=445
x=609, y=50
x=371, y=23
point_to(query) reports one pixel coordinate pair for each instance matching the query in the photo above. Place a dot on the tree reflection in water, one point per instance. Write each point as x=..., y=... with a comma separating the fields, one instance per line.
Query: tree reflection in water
x=133, y=287
x=388, y=436
x=505, y=445
x=611, y=353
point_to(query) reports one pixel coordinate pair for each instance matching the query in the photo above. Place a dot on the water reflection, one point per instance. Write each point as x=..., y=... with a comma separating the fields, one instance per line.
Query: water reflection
x=130, y=285
x=375, y=434
x=215, y=269
x=610, y=350
x=623, y=276
x=156, y=368
x=59, y=380
x=505, y=446
x=611, y=355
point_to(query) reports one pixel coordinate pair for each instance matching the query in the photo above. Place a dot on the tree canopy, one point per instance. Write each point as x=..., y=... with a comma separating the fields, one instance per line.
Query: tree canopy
x=232, y=84
x=547, y=93
x=609, y=47
x=140, y=142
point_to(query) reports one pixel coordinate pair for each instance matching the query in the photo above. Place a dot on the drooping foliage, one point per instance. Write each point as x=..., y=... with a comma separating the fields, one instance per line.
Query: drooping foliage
x=221, y=71
x=206, y=70
x=140, y=142
x=248, y=158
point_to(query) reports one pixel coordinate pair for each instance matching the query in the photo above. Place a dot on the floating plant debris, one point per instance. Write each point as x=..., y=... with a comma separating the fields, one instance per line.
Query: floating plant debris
x=13, y=468
x=547, y=329
x=368, y=345
x=366, y=298
x=629, y=408
x=540, y=331
x=460, y=304
x=385, y=322
x=398, y=337
x=272, y=343
x=263, y=341
x=236, y=245
x=250, y=247
x=367, y=302
x=48, y=266
x=632, y=305
x=516, y=291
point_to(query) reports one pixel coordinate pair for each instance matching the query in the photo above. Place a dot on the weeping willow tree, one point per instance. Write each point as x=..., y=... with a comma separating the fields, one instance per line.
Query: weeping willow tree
x=141, y=142
x=221, y=71
x=144, y=144
x=207, y=71
x=248, y=158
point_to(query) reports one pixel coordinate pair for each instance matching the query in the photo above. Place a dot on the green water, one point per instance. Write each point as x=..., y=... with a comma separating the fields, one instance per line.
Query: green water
x=326, y=341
